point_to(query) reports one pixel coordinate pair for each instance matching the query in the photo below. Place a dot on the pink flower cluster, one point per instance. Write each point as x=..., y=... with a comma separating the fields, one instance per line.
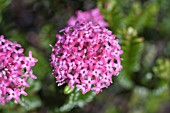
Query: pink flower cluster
x=86, y=56
x=15, y=69
x=92, y=15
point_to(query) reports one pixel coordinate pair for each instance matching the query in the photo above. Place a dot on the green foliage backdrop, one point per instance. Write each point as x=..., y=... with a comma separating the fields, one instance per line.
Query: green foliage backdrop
x=142, y=27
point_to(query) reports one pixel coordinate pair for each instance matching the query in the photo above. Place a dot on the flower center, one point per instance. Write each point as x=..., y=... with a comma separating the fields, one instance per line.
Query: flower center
x=1, y=67
x=3, y=71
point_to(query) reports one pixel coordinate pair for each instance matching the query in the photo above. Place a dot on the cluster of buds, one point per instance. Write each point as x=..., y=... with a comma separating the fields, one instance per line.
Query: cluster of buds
x=92, y=15
x=15, y=69
x=86, y=56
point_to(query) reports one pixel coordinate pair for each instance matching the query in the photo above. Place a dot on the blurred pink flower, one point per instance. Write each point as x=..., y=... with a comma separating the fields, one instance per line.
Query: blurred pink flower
x=92, y=15
x=15, y=69
x=86, y=56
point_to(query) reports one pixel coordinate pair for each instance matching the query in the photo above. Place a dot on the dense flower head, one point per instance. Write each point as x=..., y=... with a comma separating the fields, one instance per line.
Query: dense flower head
x=15, y=69
x=92, y=15
x=86, y=56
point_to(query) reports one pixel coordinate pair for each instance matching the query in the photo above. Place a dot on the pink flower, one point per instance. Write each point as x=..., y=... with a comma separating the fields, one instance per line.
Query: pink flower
x=13, y=94
x=15, y=69
x=92, y=15
x=86, y=56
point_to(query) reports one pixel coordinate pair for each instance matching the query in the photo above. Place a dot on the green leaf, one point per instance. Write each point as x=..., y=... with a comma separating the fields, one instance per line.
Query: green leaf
x=67, y=90
x=132, y=47
x=30, y=102
x=76, y=98
x=4, y=3
x=162, y=68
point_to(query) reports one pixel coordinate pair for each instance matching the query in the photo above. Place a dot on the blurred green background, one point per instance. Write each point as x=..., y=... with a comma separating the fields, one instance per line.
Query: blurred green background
x=143, y=27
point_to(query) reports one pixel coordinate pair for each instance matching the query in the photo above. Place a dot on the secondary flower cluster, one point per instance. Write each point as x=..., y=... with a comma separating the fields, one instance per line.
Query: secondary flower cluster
x=15, y=69
x=92, y=15
x=86, y=56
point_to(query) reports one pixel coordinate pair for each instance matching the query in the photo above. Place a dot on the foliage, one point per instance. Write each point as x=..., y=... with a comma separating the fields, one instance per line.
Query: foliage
x=132, y=46
x=3, y=4
x=142, y=26
x=122, y=14
x=76, y=98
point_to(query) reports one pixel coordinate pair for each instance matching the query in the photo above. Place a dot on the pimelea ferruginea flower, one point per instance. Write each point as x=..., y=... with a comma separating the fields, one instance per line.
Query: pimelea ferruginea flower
x=15, y=69
x=92, y=15
x=86, y=56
